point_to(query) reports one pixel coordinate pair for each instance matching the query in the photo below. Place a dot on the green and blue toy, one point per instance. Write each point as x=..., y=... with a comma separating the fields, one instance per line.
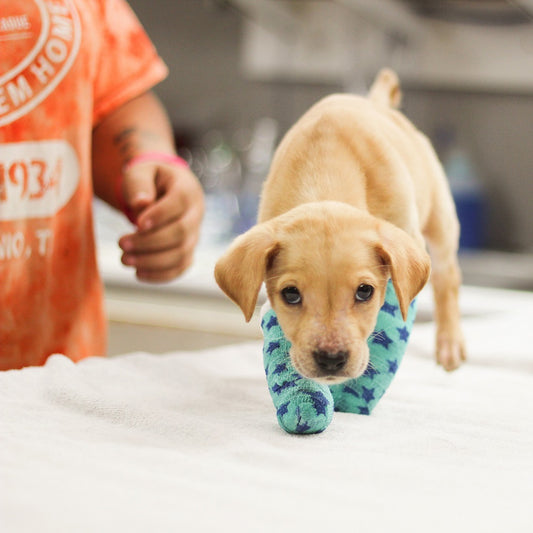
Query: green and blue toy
x=304, y=406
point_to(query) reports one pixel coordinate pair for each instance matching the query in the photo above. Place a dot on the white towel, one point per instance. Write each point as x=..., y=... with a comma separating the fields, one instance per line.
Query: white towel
x=189, y=442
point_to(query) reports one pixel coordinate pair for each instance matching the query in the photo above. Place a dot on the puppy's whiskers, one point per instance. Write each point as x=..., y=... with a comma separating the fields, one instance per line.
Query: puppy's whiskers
x=370, y=366
x=377, y=335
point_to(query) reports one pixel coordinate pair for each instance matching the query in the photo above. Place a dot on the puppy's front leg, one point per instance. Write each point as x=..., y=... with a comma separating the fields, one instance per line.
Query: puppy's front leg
x=446, y=280
x=442, y=236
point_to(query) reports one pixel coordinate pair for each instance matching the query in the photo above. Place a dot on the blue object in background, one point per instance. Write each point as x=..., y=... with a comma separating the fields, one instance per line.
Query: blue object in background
x=466, y=186
x=469, y=198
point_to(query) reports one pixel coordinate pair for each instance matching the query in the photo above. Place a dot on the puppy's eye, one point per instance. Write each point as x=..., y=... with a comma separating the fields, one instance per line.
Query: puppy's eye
x=291, y=295
x=364, y=292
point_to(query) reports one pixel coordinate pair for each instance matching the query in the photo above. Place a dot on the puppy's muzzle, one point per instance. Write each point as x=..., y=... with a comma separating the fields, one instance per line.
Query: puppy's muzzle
x=330, y=363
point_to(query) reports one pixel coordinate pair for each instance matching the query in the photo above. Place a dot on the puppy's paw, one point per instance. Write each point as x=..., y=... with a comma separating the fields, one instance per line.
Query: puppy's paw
x=450, y=353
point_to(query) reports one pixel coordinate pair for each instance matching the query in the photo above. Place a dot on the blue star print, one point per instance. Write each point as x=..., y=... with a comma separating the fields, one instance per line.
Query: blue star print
x=383, y=339
x=389, y=308
x=305, y=406
x=393, y=366
x=302, y=428
x=370, y=372
x=368, y=394
x=272, y=346
x=351, y=391
x=404, y=334
x=283, y=409
x=273, y=321
x=280, y=368
x=320, y=402
x=285, y=385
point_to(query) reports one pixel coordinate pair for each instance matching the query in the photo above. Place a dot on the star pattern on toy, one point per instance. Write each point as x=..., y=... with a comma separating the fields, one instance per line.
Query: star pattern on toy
x=389, y=308
x=272, y=346
x=272, y=321
x=283, y=409
x=280, y=368
x=393, y=366
x=320, y=402
x=304, y=406
x=404, y=334
x=383, y=339
x=368, y=394
x=302, y=428
x=278, y=388
x=350, y=390
x=370, y=372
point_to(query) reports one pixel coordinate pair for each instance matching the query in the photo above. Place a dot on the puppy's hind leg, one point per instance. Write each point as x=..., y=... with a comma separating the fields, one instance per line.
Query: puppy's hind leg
x=442, y=235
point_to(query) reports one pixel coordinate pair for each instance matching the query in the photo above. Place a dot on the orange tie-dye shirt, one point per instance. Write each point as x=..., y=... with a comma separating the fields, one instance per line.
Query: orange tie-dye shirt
x=64, y=64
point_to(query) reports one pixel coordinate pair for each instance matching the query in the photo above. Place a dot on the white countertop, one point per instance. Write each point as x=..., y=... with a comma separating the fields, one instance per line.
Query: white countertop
x=195, y=302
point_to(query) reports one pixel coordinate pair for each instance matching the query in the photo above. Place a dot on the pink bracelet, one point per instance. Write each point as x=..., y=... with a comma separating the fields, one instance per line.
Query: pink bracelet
x=154, y=157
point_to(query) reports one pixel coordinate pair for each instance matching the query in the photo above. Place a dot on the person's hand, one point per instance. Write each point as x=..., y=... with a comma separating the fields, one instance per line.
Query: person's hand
x=165, y=201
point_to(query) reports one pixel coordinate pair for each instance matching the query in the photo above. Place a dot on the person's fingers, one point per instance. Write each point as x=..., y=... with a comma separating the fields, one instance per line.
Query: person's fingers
x=139, y=188
x=168, y=222
x=163, y=265
x=163, y=238
x=178, y=190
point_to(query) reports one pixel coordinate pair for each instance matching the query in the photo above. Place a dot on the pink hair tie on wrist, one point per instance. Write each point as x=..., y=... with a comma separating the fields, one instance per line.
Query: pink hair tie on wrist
x=146, y=157
x=157, y=157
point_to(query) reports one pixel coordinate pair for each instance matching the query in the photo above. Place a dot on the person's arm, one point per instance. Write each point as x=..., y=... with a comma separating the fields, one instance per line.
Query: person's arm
x=163, y=198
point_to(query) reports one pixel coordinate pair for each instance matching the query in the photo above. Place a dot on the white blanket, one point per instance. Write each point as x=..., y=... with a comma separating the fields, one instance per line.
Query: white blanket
x=189, y=442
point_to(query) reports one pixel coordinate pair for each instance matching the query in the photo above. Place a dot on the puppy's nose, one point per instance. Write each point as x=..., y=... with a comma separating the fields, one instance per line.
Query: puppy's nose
x=329, y=361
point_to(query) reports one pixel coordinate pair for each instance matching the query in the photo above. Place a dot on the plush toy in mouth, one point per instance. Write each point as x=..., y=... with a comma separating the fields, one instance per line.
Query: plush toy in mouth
x=305, y=406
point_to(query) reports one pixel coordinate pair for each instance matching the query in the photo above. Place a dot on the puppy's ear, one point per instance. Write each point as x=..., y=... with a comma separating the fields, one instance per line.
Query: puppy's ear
x=409, y=264
x=241, y=270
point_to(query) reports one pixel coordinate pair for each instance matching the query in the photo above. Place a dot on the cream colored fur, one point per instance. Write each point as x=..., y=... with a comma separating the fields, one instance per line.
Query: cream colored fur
x=354, y=194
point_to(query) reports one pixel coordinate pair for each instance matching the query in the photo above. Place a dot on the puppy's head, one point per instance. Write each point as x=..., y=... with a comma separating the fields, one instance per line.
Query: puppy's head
x=325, y=266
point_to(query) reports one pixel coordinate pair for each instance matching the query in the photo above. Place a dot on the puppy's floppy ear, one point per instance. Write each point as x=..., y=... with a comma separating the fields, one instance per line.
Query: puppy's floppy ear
x=241, y=270
x=409, y=264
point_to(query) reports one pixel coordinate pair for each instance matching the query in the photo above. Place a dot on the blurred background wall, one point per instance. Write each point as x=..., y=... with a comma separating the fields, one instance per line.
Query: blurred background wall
x=214, y=85
x=243, y=71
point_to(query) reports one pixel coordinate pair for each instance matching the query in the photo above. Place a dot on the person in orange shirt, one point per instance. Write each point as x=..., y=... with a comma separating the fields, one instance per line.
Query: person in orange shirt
x=77, y=117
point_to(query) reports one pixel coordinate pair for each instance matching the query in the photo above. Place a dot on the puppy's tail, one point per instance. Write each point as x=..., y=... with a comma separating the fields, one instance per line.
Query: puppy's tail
x=386, y=89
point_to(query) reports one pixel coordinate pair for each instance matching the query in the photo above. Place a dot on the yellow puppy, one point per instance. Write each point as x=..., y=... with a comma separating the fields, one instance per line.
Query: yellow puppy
x=353, y=195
